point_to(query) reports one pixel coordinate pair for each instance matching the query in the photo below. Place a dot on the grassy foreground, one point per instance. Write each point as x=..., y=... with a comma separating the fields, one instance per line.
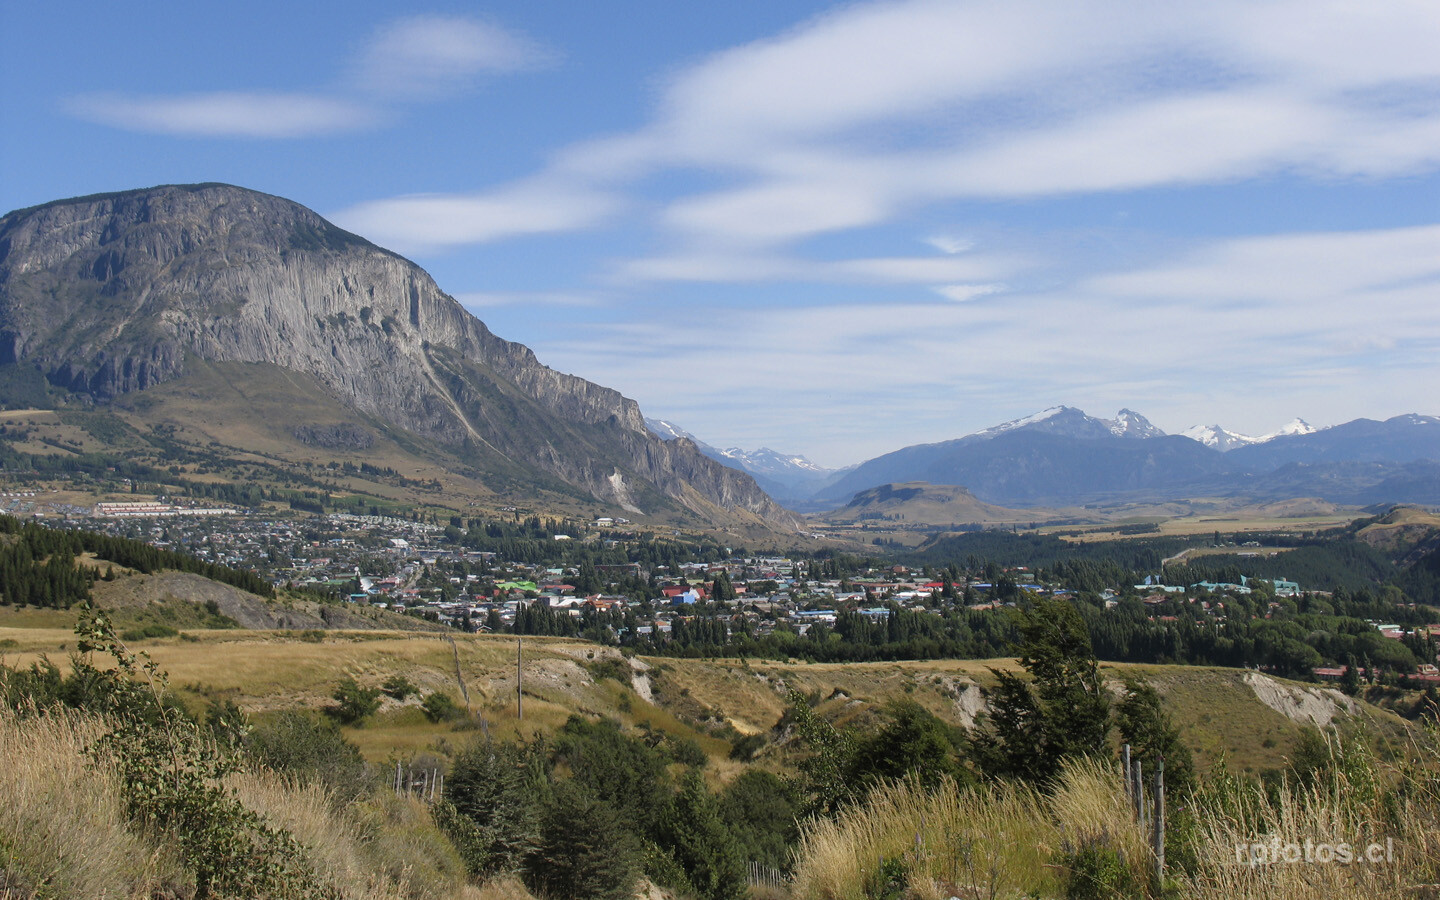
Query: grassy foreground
x=64, y=829
x=1355, y=829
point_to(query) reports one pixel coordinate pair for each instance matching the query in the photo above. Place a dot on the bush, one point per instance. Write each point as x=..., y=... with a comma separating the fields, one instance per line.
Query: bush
x=354, y=702
x=688, y=752
x=312, y=749
x=399, y=687
x=438, y=707
x=149, y=631
x=745, y=747
x=1096, y=871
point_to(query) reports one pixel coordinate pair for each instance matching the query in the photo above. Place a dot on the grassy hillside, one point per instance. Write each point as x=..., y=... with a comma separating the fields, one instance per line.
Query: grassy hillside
x=715, y=702
x=733, y=713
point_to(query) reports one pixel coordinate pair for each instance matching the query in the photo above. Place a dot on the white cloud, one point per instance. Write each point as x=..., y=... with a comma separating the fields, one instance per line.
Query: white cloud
x=960, y=293
x=895, y=105
x=226, y=114
x=1249, y=331
x=949, y=243
x=742, y=267
x=423, y=222
x=423, y=57
x=427, y=56
x=868, y=112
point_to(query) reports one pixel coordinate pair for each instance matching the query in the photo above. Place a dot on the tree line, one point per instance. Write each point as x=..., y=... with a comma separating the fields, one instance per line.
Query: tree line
x=38, y=564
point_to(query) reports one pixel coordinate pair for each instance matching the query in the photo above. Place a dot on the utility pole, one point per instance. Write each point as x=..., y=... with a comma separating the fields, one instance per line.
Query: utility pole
x=519, y=687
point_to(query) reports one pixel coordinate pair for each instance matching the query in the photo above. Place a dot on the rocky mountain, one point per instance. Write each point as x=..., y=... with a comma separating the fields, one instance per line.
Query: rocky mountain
x=115, y=294
x=1071, y=422
x=1224, y=440
x=1400, y=439
x=789, y=478
x=1061, y=456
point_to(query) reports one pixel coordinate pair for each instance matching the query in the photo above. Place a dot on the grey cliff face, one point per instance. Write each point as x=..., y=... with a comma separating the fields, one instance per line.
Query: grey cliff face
x=108, y=294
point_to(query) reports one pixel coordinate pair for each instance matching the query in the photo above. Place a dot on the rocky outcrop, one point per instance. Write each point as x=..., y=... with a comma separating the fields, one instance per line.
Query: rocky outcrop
x=109, y=294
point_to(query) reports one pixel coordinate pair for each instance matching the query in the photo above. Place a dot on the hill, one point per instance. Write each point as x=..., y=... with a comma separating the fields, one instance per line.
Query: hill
x=1255, y=721
x=919, y=503
x=105, y=299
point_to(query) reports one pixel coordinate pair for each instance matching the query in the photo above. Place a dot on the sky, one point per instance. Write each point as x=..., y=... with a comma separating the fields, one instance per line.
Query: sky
x=829, y=229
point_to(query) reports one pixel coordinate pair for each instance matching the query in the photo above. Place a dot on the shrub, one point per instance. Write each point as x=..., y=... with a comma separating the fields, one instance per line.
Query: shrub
x=354, y=702
x=171, y=782
x=149, y=631
x=438, y=707
x=1096, y=871
x=311, y=749
x=399, y=688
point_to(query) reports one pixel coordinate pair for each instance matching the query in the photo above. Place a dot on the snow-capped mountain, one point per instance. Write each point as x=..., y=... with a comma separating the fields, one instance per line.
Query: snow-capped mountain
x=788, y=477
x=769, y=462
x=1071, y=422
x=1217, y=437
x=1299, y=426
x=1224, y=440
x=1130, y=424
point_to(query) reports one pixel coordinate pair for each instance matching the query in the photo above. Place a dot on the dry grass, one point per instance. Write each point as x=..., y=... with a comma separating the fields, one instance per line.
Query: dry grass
x=62, y=821
x=63, y=829
x=988, y=842
x=1250, y=848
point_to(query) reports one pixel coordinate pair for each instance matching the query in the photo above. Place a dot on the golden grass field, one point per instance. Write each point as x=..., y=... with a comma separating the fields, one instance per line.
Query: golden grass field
x=1220, y=714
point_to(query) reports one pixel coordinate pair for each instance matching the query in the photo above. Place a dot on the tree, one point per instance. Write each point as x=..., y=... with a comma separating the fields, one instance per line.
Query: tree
x=697, y=837
x=494, y=805
x=1062, y=712
x=355, y=702
x=825, y=773
x=762, y=811
x=913, y=741
x=585, y=849
x=1147, y=728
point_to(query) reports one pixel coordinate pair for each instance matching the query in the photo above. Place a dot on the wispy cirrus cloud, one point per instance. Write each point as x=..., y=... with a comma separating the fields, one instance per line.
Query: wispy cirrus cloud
x=226, y=114
x=1251, y=331
x=408, y=60
x=428, y=222
x=430, y=56
x=862, y=115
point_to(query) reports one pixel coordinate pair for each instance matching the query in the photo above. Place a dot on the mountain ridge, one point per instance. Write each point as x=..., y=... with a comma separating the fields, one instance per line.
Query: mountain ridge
x=107, y=295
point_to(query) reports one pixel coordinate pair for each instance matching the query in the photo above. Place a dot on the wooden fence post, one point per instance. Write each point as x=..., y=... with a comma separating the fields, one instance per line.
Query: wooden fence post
x=1129, y=782
x=1158, y=836
x=1140, y=795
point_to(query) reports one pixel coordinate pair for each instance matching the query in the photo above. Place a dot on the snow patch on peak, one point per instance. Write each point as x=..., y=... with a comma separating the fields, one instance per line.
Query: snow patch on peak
x=1130, y=424
x=1297, y=426
x=1224, y=440
x=1034, y=419
x=666, y=431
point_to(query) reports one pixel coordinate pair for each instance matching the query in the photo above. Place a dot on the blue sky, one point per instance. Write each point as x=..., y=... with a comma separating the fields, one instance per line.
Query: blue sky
x=829, y=229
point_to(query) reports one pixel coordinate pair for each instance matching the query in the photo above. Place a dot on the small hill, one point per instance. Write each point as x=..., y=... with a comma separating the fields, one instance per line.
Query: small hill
x=921, y=503
x=178, y=598
x=1400, y=530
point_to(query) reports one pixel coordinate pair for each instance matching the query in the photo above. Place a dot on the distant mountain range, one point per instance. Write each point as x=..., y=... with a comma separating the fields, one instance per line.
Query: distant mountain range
x=789, y=478
x=1063, y=457
x=1223, y=440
